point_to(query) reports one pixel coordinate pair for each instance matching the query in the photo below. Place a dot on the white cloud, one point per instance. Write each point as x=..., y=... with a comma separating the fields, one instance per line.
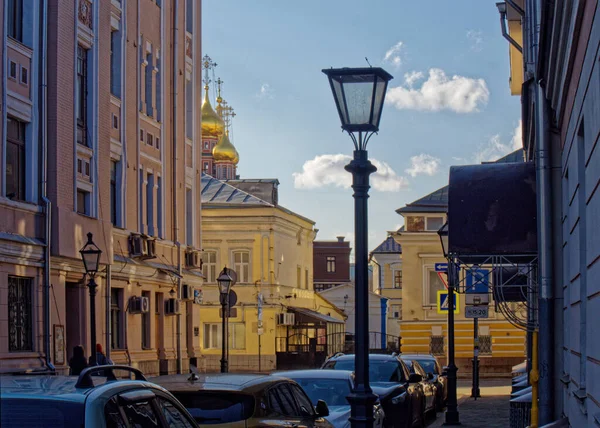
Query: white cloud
x=440, y=92
x=476, y=39
x=517, y=139
x=266, y=92
x=328, y=170
x=393, y=55
x=495, y=148
x=411, y=78
x=423, y=164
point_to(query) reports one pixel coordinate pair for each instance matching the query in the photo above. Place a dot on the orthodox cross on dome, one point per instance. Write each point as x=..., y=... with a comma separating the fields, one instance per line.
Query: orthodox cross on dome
x=208, y=65
x=227, y=115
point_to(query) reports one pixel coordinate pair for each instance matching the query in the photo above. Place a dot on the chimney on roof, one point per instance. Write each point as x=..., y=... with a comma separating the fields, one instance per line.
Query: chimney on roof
x=340, y=238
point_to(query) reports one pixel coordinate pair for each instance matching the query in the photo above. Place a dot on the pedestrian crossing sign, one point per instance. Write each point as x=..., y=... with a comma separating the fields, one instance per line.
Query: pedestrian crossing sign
x=442, y=302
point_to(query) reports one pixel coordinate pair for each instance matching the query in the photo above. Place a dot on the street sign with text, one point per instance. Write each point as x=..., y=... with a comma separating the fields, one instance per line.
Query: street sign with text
x=476, y=312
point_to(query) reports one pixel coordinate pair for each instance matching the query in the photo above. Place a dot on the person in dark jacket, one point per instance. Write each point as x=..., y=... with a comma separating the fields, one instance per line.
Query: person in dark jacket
x=78, y=362
x=101, y=359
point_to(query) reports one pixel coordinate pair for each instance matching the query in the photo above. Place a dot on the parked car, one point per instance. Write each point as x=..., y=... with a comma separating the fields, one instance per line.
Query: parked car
x=243, y=400
x=429, y=387
x=88, y=401
x=432, y=366
x=400, y=393
x=331, y=386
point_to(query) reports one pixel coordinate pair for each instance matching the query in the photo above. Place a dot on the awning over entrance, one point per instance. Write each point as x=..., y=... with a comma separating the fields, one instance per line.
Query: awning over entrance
x=492, y=209
x=169, y=270
x=307, y=316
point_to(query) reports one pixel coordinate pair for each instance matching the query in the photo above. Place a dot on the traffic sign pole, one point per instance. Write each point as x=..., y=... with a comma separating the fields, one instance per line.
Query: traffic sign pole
x=475, y=393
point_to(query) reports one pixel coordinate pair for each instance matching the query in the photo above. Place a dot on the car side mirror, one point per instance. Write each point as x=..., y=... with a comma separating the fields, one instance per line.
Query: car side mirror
x=322, y=409
x=415, y=378
x=430, y=376
x=444, y=371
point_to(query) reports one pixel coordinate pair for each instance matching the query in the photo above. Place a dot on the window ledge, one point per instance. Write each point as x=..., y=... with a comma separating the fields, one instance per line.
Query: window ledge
x=21, y=205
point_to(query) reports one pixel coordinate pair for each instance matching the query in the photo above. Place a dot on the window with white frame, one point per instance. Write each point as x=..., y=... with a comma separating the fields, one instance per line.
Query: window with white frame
x=433, y=284
x=209, y=266
x=150, y=204
x=330, y=264
x=241, y=264
x=396, y=312
x=434, y=223
x=213, y=336
x=148, y=83
x=115, y=63
x=81, y=99
x=84, y=202
x=24, y=76
x=398, y=279
x=12, y=70
x=15, y=159
x=15, y=19
x=159, y=206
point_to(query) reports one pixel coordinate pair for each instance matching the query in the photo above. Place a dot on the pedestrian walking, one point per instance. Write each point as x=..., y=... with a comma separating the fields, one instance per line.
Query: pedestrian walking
x=77, y=362
x=101, y=358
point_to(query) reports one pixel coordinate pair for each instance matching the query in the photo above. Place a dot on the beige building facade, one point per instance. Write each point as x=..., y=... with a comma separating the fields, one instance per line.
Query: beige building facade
x=101, y=129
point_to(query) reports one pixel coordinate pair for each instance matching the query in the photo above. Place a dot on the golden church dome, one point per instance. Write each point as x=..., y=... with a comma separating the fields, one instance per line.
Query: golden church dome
x=225, y=151
x=212, y=124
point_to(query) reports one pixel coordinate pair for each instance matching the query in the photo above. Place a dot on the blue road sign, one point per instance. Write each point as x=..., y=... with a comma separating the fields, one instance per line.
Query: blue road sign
x=442, y=302
x=478, y=281
x=441, y=267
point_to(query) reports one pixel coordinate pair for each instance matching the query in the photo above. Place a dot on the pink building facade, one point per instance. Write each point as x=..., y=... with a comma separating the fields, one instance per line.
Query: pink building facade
x=101, y=129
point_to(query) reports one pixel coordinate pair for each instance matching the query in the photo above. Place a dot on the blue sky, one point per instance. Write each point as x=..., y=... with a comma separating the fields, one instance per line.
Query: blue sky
x=449, y=102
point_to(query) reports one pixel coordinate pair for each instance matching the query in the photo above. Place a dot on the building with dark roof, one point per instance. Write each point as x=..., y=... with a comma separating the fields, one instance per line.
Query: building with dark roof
x=423, y=323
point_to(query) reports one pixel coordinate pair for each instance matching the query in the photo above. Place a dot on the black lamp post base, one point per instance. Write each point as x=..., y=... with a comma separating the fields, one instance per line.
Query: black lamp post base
x=362, y=409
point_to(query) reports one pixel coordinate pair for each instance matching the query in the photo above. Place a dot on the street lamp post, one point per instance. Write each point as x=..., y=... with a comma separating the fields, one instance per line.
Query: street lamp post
x=359, y=94
x=224, y=280
x=90, y=254
x=452, y=416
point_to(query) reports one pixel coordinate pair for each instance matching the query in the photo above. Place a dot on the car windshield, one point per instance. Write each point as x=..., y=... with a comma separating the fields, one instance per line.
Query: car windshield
x=379, y=370
x=211, y=407
x=40, y=413
x=428, y=366
x=331, y=391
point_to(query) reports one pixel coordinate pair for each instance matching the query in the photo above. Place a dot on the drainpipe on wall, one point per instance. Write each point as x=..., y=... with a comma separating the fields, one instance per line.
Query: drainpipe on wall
x=107, y=326
x=47, y=204
x=175, y=211
x=544, y=192
x=384, y=322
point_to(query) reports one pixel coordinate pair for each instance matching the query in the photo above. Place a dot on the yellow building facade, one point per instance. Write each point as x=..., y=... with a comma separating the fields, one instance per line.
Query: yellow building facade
x=423, y=328
x=271, y=250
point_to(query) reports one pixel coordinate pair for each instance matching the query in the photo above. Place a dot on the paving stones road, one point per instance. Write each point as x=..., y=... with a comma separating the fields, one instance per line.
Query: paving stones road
x=489, y=411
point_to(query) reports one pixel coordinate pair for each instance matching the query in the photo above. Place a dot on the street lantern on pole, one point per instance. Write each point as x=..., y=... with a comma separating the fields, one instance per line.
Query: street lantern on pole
x=452, y=415
x=359, y=94
x=90, y=254
x=224, y=281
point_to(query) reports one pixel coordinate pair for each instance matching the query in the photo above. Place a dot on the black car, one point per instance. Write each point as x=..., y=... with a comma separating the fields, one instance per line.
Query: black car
x=432, y=367
x=429, y=387
x=401, y=394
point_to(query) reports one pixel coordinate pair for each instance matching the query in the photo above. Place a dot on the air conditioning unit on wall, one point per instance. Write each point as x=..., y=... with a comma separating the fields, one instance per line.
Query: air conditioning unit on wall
x=139, y=305
x=137, y=245
x=193, y=259
x=171, y=307
x=187, y=292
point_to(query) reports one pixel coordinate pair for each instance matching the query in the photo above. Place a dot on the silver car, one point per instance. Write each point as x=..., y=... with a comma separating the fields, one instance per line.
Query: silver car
x=331, y=386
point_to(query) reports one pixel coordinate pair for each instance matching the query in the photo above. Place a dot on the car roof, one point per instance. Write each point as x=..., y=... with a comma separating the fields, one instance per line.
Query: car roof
x=311, y=374
x=215, y=381
x=418, y=357
x=60, y=388
x=372, y=357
